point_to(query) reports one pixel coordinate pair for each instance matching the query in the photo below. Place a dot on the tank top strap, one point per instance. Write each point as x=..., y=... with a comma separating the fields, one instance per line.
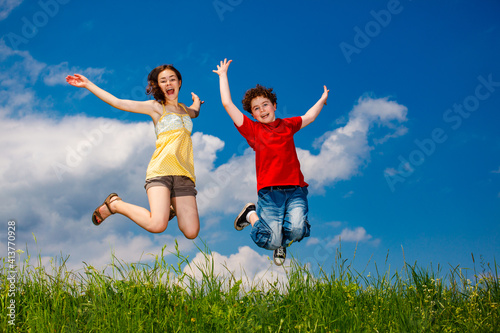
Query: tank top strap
x=179, y=115
x=182, y=105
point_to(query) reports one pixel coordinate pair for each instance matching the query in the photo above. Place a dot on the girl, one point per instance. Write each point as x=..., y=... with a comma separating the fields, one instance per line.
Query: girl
x=170, y=178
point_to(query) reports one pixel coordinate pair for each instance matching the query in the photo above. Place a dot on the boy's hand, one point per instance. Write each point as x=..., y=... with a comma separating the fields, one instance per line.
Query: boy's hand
x=222, y=68
x=325, y=94
x=77, y=80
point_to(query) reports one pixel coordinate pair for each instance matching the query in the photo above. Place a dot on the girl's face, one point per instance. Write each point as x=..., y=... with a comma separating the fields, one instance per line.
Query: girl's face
x=263, y=110
x=169, y=84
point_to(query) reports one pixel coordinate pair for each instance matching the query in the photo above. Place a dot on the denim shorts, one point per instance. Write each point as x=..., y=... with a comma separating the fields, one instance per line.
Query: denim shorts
x=179, y=186
x=282, y=217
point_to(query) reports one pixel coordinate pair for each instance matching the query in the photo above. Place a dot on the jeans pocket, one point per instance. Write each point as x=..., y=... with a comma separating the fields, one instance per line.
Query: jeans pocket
x=261, y=234
x=263, y=193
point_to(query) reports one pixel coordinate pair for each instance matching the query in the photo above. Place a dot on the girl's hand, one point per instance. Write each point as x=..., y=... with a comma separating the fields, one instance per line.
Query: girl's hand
x=222, y=68
x=196, y=98
x=77, y=80
x=325, y=94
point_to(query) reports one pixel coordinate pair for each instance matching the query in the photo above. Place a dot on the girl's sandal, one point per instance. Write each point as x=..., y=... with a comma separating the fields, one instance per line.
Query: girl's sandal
x=96, y=216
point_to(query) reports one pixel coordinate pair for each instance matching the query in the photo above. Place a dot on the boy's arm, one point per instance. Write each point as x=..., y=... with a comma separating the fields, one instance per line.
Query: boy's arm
x=313, y=112
x=225, y=94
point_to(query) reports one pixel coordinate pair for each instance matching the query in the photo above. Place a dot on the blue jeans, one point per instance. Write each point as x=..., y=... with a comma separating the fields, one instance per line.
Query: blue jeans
x=282, y=217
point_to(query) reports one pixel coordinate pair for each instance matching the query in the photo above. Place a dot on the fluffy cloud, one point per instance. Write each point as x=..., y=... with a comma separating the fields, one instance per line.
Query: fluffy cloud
x=56, y=74
x=344, y=150
x=247, y=265
x=6, y=6
x=347, y=235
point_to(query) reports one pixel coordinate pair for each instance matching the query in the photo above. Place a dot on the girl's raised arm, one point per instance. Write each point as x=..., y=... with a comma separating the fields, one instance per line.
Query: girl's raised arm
x=194, y=109
x=144, y=107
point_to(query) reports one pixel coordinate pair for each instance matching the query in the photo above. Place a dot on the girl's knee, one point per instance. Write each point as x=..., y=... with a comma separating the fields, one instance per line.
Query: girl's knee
x=158, y=226
x=189, y=226
x=191, y=234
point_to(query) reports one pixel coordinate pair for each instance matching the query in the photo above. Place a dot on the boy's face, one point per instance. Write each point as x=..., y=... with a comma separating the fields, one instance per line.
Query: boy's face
x=263, y=110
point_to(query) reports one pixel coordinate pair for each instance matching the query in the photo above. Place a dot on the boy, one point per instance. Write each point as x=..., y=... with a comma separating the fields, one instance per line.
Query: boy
x=281, y=214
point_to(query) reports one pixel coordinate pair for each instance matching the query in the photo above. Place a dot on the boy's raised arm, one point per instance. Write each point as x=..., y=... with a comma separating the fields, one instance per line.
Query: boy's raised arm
x=313, y=112
x=225, y=94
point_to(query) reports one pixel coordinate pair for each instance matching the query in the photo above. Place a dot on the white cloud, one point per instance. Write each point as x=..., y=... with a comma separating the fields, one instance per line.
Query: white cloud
x=56, y=74
x=247, y=265
x=312, y=241
x=357, y=235
x=335, y=224
x=228, y=187
x=347, y=235
x=18, y=68
x=391, y=171
x=348, y=194
x=7, y=6
x=344, y=150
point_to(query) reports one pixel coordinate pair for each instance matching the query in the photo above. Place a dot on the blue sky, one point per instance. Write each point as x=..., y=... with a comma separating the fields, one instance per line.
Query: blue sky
x=404, y=156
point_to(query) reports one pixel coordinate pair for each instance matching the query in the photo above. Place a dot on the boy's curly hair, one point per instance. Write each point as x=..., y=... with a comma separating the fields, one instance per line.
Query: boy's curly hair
x=256, y=92
x=153, y=89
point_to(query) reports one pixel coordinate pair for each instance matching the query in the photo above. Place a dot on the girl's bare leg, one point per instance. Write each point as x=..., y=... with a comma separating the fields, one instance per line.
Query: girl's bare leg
x=155, y=221
x=186, y=210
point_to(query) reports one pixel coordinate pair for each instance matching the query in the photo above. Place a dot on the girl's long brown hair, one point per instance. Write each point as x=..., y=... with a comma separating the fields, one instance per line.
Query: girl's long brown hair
x=153, y=89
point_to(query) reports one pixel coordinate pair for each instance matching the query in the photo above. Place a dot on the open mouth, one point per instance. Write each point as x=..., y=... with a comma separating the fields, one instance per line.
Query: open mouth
x=170, y=91
x=264, y=116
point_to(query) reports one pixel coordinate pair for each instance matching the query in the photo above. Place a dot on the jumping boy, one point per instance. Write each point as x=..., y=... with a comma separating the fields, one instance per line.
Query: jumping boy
x=281, y=214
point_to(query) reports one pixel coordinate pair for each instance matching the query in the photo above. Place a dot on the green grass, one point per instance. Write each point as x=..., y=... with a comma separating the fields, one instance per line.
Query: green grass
x=159, y=297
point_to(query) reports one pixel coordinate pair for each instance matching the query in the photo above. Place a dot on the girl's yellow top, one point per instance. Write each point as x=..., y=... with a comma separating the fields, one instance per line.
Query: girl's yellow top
x=174, y=149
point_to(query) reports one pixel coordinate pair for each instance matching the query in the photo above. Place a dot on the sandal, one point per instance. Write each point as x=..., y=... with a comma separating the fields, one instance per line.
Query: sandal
x=96, y=216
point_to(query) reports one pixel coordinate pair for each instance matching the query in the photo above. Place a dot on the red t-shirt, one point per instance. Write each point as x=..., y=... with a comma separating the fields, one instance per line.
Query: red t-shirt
x=276, y=160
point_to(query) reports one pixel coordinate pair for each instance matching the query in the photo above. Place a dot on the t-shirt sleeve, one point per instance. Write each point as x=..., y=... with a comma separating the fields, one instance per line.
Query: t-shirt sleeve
x=247, y=130
x=295, y=123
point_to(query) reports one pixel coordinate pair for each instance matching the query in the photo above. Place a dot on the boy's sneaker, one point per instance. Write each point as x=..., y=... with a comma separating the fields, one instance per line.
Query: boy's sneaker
x=279, y=256
x=241, y=221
